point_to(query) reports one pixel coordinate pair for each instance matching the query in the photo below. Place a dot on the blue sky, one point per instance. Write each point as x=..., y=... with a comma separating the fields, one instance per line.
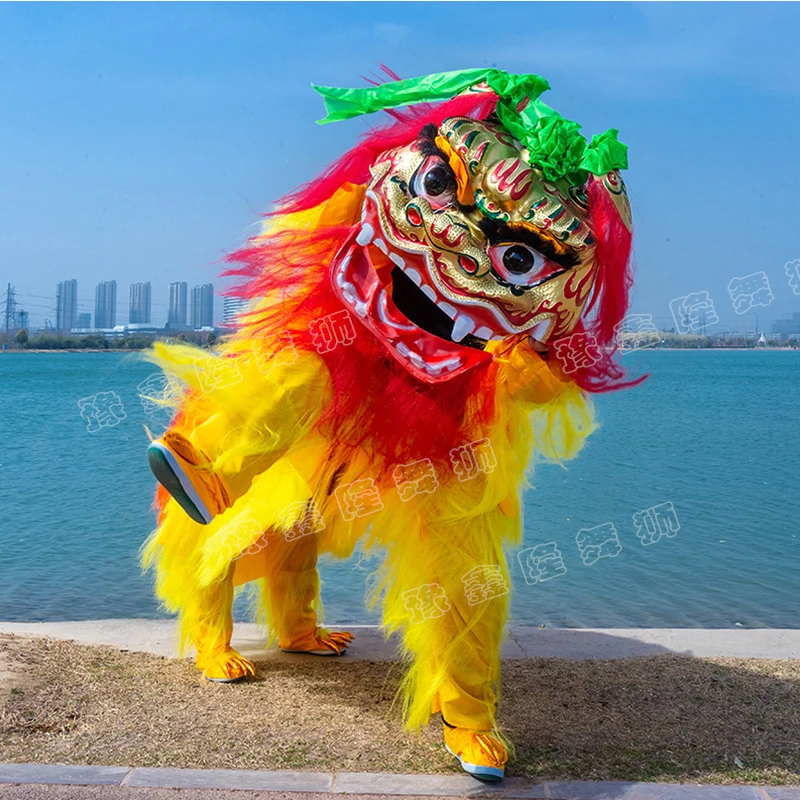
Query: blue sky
x=138, y=141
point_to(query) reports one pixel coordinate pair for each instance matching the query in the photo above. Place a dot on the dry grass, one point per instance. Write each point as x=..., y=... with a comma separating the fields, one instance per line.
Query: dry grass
x=663, y=717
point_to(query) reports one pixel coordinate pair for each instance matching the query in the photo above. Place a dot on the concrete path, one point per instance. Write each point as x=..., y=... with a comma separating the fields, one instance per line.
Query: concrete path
x=324, y=785
x=56, y=782
x=158, y=637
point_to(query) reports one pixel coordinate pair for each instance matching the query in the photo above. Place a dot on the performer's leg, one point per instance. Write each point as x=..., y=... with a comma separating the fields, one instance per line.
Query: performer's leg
x=209, y=620
x=225, y=436
x=290, y=595
x=450, y=596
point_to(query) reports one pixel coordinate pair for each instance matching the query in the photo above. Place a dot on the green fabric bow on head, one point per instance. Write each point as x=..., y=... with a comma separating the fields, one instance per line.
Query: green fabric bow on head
x=554, y=143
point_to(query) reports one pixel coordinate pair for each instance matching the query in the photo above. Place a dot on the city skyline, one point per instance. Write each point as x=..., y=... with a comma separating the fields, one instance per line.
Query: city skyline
x=196, y=309
x=70, y=310
x=214, y=129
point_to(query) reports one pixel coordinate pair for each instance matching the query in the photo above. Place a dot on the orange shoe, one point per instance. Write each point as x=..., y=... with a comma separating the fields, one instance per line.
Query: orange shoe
x=224, y=666
x=185, y=473
x=481, y=754
x=319, y=642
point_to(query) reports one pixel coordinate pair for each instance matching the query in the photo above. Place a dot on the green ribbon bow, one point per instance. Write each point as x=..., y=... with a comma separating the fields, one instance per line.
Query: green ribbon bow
x=554, y=143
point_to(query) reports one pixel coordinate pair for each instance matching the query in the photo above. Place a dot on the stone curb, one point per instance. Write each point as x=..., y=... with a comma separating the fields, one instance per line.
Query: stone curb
x=380, y=783
x=160, y=637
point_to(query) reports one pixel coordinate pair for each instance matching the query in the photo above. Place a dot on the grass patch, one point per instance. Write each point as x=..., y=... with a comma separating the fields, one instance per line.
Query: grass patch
x=656, y=718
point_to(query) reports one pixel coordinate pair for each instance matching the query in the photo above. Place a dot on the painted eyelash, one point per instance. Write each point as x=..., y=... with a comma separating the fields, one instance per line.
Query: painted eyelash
x=498, y=232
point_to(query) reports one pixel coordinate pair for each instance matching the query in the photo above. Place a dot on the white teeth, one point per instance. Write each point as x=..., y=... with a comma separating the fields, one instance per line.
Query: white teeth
x=349, y=291
x=448, y=309
x=484, y=333
x=461, y=327
x=365, y=235
x=383, y=314
x=428, y=292
x=432, y=369
x=444, y=366
x=396, y=259
x=539, y=330
x=414, y=275
x=381, y=245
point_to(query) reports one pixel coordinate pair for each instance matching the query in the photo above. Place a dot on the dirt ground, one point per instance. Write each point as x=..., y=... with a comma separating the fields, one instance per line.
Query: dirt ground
x=654, y=718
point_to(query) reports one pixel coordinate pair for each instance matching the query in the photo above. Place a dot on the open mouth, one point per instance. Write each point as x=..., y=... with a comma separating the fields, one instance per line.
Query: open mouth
x=388, y=293
x=417, y=307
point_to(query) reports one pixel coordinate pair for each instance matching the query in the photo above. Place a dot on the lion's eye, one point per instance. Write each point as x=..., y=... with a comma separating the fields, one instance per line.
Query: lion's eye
x=435, y=181
x=519, y=259
x=517, y=263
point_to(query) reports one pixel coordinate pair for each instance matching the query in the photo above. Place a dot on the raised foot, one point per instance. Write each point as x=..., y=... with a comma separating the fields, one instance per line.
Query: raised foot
x=225, y=666
x=481, y=755
x=319, y=643
x=185, y=473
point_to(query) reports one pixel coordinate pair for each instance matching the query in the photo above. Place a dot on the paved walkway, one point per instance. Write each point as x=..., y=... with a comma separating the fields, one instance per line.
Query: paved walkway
x=158, y=637
x=325, y=784
x=56, y=782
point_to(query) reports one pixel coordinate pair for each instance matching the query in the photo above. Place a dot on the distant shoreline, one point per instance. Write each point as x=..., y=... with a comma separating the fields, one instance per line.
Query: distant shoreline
x=81, y=350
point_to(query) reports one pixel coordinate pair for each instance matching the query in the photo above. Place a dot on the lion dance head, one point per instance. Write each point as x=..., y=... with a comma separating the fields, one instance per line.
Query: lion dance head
x=478, y=222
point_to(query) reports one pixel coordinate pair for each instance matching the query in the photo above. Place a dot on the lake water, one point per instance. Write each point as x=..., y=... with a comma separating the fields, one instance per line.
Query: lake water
x=715, y=433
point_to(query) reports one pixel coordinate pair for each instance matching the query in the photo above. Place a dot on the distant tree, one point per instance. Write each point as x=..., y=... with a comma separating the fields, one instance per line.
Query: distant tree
x=22, y=337
x=181, y=337
x=211, y=339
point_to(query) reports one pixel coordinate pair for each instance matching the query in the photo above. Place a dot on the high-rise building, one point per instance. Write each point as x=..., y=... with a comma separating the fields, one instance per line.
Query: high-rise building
x=139, y=308
x=178, y=295
x=231, y=308
x=84, y=321
x=66, y=305
x=203, y=306
x=787, y=327
x=105, y=305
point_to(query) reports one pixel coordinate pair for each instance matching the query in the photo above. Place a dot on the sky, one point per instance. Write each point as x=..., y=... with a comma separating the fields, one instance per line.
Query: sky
x=139, y=142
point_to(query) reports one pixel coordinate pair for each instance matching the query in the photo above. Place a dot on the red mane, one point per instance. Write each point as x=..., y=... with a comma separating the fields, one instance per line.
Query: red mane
x=610, y=296
x=268, y=265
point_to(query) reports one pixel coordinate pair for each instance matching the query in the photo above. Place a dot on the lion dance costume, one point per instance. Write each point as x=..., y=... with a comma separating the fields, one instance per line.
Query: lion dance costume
x=425, y=318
